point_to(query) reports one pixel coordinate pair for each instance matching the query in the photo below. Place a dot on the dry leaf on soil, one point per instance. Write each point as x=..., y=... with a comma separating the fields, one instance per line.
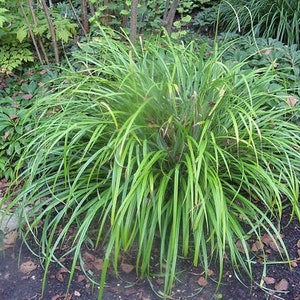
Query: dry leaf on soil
x=294, y=264
x=269, y=280
x=10, y=238
x=92, y=262
x=240, y=246
x=59, y=275
x=80, y=278
x=271, y=242
x=127, y=268
x=202, y=281
x=256, y=246
x=282, y=285
x=28, y=266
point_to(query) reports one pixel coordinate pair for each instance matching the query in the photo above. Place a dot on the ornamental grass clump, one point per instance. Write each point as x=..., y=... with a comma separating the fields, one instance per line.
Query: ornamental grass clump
x=160, y=147
x=270, y=19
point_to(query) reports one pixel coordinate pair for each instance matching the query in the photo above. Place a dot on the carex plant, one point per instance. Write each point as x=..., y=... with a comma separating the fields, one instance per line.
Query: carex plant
x=269, y=19
x=162, y=148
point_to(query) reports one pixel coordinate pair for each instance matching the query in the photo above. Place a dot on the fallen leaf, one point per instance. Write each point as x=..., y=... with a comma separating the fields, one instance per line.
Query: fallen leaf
x=28, y=266
x=292, y=101
x=266, y=239
x=6, y=135
x=210, y=272
x=294, y=264
x=269, y=280
x=240, y=246
x=80, y=278
x=98, y=264
x=298, y=251
x=298, y=244
x=256, y=246
x=275, y=247
x=90, y=261
x=59, y=275
x=127, y=268
x=10, y=238
x=27, y=96
x=282, y=285
x=266, y=52
x=202, y=281
x=14, y=117
x=15, y=105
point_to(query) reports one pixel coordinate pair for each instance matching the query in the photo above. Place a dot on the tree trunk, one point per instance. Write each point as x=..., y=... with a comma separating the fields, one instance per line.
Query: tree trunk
x=34, y=19
x=31, y=33
x=84, y=13
x=171, y=15
x=52, y=30
x=133, y=21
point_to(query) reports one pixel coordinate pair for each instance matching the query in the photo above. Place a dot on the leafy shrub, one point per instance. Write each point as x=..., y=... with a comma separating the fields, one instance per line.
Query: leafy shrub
x=161, y=144
x=278, y=19
x=14, y=55
x=16, y=97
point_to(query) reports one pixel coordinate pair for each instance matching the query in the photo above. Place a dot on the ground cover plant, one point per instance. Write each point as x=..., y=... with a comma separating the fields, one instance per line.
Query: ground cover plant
x=17, y=94
x=160, y=144
x=270, y=19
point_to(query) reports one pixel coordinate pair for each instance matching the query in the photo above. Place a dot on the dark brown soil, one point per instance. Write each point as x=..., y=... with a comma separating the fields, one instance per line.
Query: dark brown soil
x=281, y=281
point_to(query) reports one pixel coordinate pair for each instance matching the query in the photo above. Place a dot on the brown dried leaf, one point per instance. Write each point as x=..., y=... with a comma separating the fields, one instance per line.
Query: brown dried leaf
x=127, y=268
x=27, y=96
x=10, y=238
x=88, y=256
x=210, y=272
x=269, y=280
x=15, y=105
x=59, y=275
x=292, y=101
x=275, y=247
x=256, y=246
x=92, y=262
x=80, y=278
x=282, y=285
x=202, y=281
x=266, y=239
x=266, y=52
x=6, y=135
x=294, y=264
x=98, y=264
x=240, y=246
x=14, y=117
x=28, y=266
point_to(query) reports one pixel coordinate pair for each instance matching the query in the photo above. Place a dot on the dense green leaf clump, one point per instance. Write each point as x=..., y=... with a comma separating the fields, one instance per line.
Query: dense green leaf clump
x=161, y=144
x=270, y=19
